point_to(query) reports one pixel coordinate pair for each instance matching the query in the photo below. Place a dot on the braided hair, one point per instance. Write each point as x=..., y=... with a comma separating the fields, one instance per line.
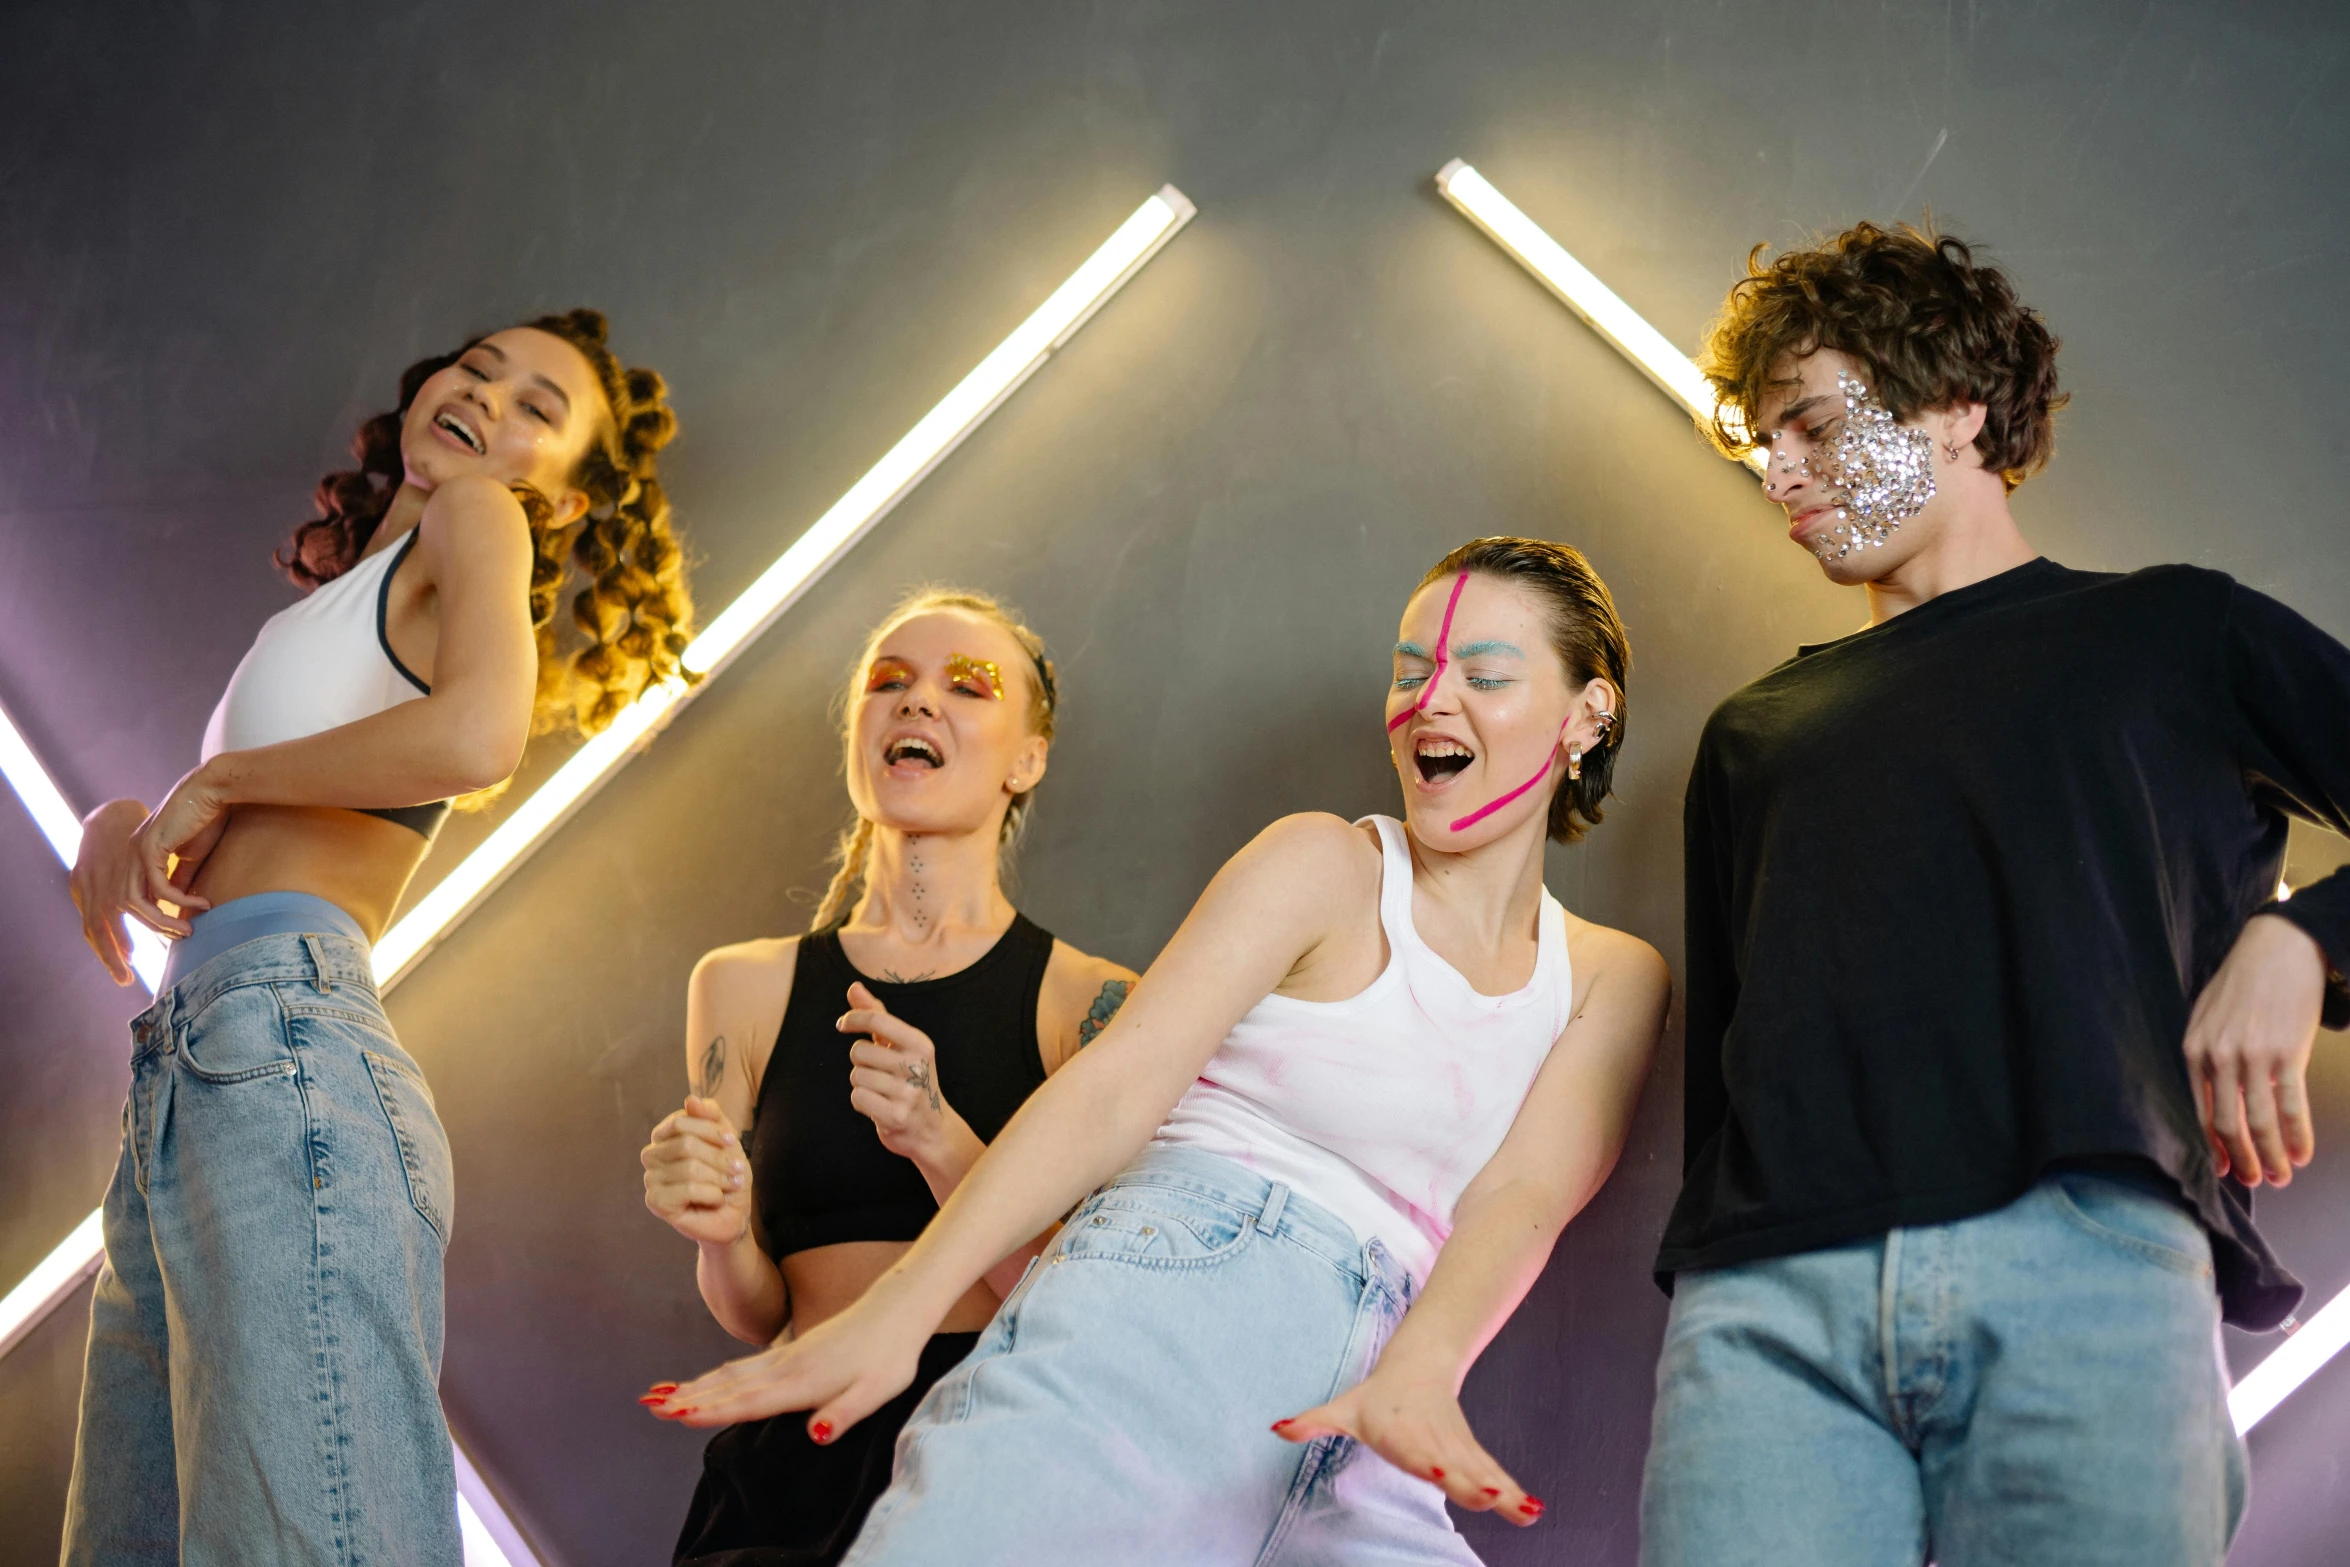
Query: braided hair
x=854, y=850
x=634, y=613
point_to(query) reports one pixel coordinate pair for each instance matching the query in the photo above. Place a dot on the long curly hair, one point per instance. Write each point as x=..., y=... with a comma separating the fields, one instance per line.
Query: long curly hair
x=1588, y=637
x=1931, y=324
x=634, y=612
x=854, y=850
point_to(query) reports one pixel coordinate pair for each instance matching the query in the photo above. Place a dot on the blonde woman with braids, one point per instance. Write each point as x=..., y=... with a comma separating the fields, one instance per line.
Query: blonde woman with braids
x=844, y=1081
x=265, y=1336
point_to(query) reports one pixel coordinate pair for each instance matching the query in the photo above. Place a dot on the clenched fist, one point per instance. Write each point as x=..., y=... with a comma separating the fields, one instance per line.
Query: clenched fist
x=697, y=1180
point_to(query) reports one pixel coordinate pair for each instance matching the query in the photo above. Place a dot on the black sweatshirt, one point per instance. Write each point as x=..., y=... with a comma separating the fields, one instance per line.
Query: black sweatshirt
x=1954, y=882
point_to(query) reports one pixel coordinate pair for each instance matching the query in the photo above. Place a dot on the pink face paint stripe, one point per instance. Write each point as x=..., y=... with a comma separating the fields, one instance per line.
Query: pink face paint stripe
x=1443, y=657
x=1487, y=809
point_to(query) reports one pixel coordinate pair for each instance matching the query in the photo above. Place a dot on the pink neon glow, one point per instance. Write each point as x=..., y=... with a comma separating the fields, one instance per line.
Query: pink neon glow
x=1490, y=806
x=1443, y=656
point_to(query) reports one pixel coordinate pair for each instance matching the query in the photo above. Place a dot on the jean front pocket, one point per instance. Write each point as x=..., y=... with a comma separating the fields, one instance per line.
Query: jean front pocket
x=2133, y=1221
x=240, y=1037
x=1155, y=1227
x=424, y=1146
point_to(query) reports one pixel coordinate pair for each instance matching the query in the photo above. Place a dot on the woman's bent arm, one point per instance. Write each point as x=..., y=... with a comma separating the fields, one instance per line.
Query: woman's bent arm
x=467, y=734
x=697, y=1170
x=1270, y=906
x=1559, y=1150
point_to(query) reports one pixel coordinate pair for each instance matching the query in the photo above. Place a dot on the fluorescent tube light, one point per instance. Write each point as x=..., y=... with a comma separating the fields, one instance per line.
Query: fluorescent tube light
x=1581, y=289
x=871, y=498
x=889, y=481
x=63, y=829
x=2291, y=1363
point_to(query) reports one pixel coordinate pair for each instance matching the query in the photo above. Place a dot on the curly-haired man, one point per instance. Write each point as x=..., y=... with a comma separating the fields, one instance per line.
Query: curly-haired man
x=1993, y=1019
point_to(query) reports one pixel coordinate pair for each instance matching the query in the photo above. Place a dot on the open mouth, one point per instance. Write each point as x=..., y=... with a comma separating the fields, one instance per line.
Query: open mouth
x=1439, y=759
x=912, y=748
x=445, y=420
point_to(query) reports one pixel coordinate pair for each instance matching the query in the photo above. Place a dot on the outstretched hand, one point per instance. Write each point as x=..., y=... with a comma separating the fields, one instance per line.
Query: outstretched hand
x=1417, y=1425
x=2247, y=1047
x=841, y=1370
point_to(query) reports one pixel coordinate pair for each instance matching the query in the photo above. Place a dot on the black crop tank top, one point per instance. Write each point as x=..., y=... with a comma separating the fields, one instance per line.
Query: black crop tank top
x=818, y=1170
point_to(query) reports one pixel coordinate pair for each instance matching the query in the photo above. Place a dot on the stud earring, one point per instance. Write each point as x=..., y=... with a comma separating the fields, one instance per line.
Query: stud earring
x=1574, y=761
x=1950, y=450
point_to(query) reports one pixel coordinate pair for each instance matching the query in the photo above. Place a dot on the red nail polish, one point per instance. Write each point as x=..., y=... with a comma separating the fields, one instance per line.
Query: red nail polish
x=654, y=1398
x=821, y=1430
x=1283, y=1425
x=662, y=1387
x=1493, y=1490
x=1531, y=1507
x=1435, y=1474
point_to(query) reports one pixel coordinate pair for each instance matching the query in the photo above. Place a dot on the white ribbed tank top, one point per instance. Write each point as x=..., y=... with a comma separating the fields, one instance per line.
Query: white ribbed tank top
x=1384, y=1106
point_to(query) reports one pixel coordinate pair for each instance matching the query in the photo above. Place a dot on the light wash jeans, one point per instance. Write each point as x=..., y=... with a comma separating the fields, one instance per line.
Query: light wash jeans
x=266, y=1333
x=1118, y=1408
x=2038, y=1386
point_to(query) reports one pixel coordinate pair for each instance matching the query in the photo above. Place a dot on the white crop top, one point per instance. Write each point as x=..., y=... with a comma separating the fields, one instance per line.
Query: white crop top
x=1384, y=1106
x=322, y=663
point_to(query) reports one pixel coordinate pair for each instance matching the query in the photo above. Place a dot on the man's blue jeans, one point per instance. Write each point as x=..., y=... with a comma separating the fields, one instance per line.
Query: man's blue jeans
x=2039, y=1386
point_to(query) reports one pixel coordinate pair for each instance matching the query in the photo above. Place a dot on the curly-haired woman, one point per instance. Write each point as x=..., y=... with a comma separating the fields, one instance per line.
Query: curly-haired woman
x=804, y=1164
x=1341, y=1123
x=266, y=1333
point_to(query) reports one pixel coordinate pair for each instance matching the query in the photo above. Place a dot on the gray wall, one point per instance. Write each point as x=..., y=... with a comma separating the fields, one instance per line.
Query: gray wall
x=224, y=229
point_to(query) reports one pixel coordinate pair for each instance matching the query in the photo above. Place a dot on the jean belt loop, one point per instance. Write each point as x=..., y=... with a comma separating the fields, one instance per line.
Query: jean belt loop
x=1269, y=1217
x=319, y=975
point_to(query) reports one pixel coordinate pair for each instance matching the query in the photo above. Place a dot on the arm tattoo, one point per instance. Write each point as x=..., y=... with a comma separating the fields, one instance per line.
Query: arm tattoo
x=1105, y=1007
x=713, y=1068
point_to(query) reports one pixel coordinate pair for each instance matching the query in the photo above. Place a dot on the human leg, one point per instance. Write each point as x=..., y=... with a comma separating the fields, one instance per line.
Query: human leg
x=2094, y=1427
x=1770, y=1445
x=122, y=1505
x=1118, y=1408
x=299, y=1192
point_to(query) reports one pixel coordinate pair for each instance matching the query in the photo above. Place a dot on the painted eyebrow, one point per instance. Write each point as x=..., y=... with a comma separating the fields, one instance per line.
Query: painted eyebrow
x=1475, y=649
x=1411, y=650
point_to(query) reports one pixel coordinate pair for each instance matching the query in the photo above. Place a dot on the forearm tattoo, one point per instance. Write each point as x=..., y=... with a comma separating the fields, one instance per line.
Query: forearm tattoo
x=1105, y=1007
x=713, y=1068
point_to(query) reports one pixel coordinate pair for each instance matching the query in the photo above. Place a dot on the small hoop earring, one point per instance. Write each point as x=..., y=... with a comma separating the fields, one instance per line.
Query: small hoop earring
x=1574, y=761
x=1950, y=450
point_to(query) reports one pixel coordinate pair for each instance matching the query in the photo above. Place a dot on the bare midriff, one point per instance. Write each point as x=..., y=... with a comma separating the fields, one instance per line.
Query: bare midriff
x=826, y=1280
x=358, y=863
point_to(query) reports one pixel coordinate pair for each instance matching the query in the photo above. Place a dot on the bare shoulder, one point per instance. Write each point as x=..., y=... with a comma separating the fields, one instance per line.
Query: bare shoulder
x=1315, y=844
x=1633, y=971
x=471, y=518
x=1081, y=994
x=746, y=974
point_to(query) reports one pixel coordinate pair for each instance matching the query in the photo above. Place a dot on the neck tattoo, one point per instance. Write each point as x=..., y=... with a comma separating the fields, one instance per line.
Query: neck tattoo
x=919, y=913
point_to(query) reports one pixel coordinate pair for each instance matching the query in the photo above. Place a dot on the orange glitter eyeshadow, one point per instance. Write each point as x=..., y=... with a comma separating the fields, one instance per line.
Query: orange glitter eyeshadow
x=885, y=670
x=962, y=666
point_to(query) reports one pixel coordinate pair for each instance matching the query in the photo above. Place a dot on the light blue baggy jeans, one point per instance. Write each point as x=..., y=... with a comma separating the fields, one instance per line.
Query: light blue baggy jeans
x=2039, y=1386
x=266, y=1334
x=1118, y=1408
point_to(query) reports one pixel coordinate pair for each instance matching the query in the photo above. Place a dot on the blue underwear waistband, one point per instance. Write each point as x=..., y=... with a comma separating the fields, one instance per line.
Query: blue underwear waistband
x=240, y=920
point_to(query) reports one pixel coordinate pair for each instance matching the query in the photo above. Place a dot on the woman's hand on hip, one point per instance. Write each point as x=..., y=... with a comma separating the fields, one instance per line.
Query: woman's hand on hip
x=1415, y=1423
x=841, y=1370
x=893, y=1080
x=170, y=847
x=697, y=1179
x=101, y=872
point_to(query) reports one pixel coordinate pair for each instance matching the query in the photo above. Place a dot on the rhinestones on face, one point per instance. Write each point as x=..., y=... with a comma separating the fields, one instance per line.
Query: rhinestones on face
x=1883, y=470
